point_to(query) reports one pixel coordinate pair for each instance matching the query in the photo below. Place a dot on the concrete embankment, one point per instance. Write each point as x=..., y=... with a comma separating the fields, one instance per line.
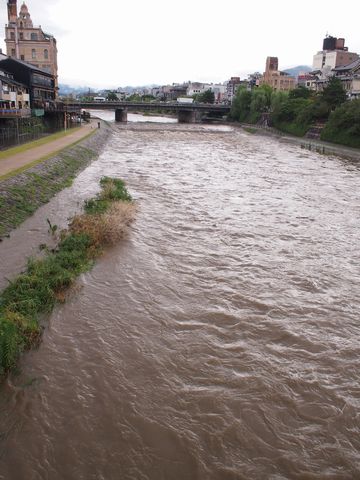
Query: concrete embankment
x=22, y=194
x=318, y=146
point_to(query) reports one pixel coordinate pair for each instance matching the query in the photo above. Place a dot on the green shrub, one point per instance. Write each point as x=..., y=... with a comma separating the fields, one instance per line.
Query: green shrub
x=344, y=125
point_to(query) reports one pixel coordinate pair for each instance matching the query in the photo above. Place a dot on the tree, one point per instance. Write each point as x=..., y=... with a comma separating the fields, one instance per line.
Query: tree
x=300, y=92
x=135, y=97
x=317, y=110
x=240, y=107
x=111, y=97
x=334, y=94
x=206, y=97
x=343, y=125
x=277, y=98
x=267, y=92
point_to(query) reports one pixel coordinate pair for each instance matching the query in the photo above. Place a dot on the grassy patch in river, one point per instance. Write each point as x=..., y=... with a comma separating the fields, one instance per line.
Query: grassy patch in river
x=46, y=280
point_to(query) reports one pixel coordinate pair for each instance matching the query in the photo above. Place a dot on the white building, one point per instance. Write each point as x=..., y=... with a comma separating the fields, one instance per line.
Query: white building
x=195, y=88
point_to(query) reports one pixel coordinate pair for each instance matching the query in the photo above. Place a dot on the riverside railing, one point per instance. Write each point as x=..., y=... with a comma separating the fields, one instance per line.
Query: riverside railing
x=15, y=112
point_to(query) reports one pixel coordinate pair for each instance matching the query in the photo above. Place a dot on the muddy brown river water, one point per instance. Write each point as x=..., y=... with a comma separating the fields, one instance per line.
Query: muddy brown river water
x=219, y=341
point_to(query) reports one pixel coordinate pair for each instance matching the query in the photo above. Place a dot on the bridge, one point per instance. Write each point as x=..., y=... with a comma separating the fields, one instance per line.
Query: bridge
x=186, y=112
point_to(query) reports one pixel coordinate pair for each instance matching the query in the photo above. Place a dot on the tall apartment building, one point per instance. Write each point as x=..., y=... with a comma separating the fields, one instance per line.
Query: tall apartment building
x=334, y=54
x=275, y=78
x=231, y=88
x=28, y=43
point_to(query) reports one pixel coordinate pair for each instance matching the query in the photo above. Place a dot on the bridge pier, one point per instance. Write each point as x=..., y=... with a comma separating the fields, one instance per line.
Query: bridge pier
x=121, y=115
x=189, y=116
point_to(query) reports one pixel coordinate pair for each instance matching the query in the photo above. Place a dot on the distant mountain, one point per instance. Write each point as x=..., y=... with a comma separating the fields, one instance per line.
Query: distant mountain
x=67, y=89
x=296, y=71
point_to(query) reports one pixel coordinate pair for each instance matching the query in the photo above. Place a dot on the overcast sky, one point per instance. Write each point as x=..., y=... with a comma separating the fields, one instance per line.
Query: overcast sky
x=115, y=43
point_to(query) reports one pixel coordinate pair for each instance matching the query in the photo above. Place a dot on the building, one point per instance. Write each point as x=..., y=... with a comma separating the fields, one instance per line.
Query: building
x=254, y=80
x=39, y=83
x=307, y=80
x=220, y=92
x=28, y=43
x=334, y=54
x=278, y=80
x=195, y=88
x=231, y=88
x=14, y=97
x=350, y=78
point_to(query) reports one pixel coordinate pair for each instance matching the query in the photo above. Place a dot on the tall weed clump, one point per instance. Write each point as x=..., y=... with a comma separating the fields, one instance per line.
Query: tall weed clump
x=46, y=280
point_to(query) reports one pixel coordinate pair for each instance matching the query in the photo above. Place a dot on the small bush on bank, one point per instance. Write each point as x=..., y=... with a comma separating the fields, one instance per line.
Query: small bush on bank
x=36, y=291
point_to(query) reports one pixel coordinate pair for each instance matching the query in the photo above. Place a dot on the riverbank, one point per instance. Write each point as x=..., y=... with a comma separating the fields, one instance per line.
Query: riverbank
x=46, y=280
x=318, y=146
x=23, y=193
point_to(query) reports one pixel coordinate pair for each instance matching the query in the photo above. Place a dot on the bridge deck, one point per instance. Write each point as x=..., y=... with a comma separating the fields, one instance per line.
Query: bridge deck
x=170, y=107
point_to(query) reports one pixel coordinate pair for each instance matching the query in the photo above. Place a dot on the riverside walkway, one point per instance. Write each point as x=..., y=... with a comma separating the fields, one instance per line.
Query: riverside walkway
x=33, y=153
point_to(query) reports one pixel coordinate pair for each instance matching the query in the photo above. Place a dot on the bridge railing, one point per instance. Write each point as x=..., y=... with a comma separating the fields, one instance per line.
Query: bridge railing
x=154, y=106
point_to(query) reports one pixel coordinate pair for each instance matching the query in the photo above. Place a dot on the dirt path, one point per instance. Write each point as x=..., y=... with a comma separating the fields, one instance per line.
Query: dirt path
x=28, y=157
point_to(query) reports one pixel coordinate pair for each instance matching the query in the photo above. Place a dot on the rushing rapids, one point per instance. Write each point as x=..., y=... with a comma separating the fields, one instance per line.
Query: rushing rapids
x=220, y=340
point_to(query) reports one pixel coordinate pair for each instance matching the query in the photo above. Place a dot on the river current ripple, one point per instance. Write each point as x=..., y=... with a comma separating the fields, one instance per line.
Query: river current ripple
x=219, y=340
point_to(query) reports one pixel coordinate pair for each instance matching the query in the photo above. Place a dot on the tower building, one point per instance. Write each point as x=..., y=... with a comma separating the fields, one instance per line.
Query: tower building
x=274, y=77
x=28, y=43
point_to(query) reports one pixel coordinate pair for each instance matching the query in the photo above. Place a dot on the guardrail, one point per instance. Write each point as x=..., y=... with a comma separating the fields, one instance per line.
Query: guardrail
x=15, y=112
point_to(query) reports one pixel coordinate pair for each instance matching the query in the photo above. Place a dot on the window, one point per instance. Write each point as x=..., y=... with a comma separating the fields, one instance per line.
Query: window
x=46, y=54
x=43, y=80
x=34, y=36
x=22, y=57
x=12, y=35
x=33, y=53
x=13, y=52
x=21, y=36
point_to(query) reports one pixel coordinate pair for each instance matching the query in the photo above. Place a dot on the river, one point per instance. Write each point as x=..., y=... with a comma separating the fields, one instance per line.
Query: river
x=220, y=340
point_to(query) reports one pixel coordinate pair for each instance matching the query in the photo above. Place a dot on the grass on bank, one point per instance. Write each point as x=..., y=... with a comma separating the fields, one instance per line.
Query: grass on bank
x=20, y=200
x=46, y=280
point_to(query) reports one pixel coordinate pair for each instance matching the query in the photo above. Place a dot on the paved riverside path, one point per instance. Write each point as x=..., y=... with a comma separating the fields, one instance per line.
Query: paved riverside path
x=33, y=154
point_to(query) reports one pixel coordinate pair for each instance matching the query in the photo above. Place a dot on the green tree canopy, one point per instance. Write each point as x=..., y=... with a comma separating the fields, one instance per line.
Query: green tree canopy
x=112, y=97
x=344, y=125
x=240, y=107
x=300, y=92
x=206, y=97
x=277, y=98
x=334, y=94
x=135, y=97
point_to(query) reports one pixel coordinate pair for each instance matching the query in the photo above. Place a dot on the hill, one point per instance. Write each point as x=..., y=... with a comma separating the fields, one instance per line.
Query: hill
x=296, y=71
